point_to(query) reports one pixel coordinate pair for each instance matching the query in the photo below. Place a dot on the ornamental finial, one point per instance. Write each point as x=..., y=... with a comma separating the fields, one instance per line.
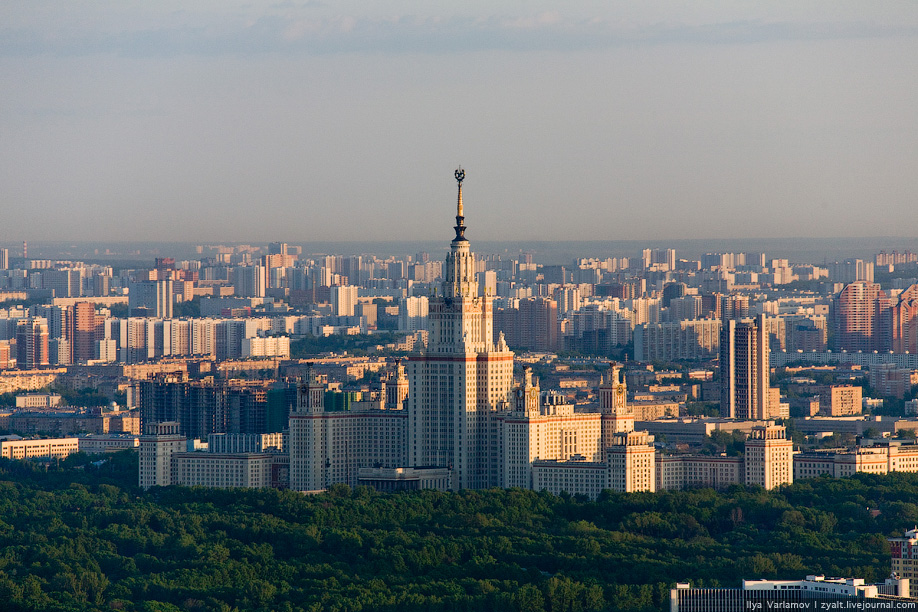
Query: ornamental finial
x=460, y=215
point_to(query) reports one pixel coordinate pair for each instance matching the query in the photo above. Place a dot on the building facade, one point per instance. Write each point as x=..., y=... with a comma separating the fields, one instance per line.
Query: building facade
x=463, y=378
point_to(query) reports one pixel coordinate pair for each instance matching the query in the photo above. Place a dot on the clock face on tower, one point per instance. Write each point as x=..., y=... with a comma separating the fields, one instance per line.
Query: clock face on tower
x=620, y=389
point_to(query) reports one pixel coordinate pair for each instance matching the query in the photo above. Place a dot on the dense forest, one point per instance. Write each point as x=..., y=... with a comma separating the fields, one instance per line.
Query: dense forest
x=82, y=536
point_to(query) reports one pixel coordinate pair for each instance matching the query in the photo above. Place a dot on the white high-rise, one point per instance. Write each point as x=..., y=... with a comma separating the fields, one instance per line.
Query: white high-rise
x=462, y=379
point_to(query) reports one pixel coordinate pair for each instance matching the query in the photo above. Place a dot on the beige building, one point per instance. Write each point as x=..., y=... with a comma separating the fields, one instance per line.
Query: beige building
x=108, y=443
x=676, y=472
x=769, y=457
x=463, y=378
x=55, y=448
x=38, y=400
x=627, y=461
x=587, y=478
x=652, y=410
x=631, y=458
x=248, y=470
x=29, y=380
x=544, y=427
x=767, y=462
x=892, y=456
x=841, y=400
x=328, y=446
x=155, y=454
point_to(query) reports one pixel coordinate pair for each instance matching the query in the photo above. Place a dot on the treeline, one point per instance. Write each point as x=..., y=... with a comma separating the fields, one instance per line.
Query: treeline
x=83, y=537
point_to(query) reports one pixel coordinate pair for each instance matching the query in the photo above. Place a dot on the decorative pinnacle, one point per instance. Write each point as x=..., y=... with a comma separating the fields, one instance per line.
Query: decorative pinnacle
x=460, y=216
x=460, y=176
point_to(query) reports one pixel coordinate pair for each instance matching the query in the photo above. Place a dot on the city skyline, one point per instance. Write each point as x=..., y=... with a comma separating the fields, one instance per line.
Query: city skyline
x=592, y=121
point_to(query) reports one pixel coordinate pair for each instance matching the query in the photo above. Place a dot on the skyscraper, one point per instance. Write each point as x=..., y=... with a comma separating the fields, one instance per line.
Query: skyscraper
x=744, y=370
x=462, y=379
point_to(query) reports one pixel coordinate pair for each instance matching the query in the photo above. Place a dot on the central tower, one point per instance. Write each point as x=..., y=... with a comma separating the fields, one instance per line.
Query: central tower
x=463, y=377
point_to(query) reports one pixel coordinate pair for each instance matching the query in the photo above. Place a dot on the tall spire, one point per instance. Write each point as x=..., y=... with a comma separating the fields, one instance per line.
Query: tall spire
x=460, y=218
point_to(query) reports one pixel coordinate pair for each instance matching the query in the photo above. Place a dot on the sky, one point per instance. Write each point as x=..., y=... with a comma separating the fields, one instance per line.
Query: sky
x=220, y=120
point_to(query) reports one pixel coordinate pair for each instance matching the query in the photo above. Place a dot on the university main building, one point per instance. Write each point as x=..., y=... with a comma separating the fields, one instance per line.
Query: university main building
x=453, y=419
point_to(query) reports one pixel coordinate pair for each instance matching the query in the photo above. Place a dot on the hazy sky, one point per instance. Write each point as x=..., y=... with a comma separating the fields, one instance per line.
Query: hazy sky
x=220, y=120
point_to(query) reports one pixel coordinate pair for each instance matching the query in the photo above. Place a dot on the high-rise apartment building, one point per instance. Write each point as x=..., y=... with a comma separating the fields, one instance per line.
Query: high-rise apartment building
x=32, y=343
x=86, y=327
x=250, y=281
x=150, y=298
x=343, y=300
x=904, y=320
x=863, y=318
x=412, y=313
x=538, y=324
x=744, y=370
x=462, y=379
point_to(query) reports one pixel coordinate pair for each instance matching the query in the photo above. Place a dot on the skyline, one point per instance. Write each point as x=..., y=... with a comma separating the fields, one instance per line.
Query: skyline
x=797, y=250
x=250, y=122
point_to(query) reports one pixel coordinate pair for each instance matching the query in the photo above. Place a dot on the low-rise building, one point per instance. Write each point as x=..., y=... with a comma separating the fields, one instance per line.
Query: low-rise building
x=53, y=448
x=38, y=400
x=222, y=470
x=389, y=480
x=108, y=443
x=891, y=456
x=785, y=594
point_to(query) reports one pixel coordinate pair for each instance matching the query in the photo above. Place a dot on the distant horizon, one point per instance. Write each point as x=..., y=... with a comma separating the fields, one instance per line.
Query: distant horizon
x=813, y=250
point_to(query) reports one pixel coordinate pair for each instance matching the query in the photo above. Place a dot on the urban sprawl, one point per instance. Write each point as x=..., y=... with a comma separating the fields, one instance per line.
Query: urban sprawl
x=264, y=367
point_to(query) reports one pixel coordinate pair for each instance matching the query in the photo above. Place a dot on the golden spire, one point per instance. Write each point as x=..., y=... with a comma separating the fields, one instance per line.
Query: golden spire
x=460, y=175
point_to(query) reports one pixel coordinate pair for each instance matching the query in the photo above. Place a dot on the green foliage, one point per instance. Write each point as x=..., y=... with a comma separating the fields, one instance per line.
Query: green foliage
x=704, y=409
x=189, y=308
x=86, y=397
x=77, y=536
x=119, y=310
